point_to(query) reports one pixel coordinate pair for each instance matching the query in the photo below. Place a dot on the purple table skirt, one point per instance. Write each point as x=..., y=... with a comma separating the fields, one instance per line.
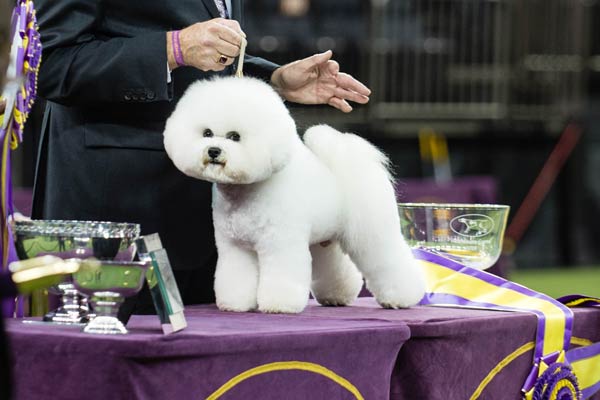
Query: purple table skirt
x=452, y=350
x=449, y=353
x=63, y=363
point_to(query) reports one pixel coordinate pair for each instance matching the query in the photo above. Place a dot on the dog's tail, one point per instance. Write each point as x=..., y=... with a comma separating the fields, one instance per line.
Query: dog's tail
x=363, y=173
x=372, y=234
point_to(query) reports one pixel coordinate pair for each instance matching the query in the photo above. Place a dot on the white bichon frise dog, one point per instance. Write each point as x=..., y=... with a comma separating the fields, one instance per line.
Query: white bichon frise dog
x=290, y=217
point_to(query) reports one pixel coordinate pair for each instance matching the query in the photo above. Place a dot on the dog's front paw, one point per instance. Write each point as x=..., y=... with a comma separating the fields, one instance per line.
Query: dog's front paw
x=282, y=297
x=236, y=307
x=235, y=302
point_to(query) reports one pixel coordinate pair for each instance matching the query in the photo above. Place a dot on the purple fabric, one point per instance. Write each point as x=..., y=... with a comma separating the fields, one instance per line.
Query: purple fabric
x=451, y=350
x=449, y=353
x=8, y=291
x=214, y=348
x=581, y=353
x=591, y=301
x=22, y=200
x=7, y=286
x=472, y=189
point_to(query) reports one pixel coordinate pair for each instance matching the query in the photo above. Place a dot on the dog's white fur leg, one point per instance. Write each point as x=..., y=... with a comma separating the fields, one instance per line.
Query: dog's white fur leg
x=335, y=279
x=391, y=273
x=236, y=277
x=284, y=278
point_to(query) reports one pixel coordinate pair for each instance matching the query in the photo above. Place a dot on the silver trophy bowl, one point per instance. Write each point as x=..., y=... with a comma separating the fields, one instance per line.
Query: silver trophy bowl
x=74, y=239
x=107, y=283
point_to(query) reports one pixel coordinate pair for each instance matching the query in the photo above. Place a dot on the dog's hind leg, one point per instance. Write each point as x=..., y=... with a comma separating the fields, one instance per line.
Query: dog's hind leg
x=371, y=233
x=335, y=279
x=391, y=273
x=236, y=277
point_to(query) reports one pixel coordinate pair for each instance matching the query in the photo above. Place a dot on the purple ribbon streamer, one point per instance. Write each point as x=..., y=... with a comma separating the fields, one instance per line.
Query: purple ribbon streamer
x=503, y=284
x=23, y=17
x=450, y=299
x=581, y=353
x=590, y=301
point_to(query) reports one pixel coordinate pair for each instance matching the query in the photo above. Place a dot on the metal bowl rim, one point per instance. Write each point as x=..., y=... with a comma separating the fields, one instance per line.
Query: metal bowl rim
x=454, y=206
x=77, y=228
x=145, y=264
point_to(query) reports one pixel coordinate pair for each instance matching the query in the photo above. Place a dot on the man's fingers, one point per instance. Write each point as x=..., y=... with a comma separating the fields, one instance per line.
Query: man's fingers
x=231, y=23
x=333, y=67
x=217, y=67
x=348, y=82
x=340, y=104
x=227, y=49
x=230, y=31
x=346, y=94
x=316, y=59
x=223, y=60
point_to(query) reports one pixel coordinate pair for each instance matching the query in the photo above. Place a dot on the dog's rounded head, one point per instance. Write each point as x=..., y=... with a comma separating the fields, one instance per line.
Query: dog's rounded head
x=230, y=130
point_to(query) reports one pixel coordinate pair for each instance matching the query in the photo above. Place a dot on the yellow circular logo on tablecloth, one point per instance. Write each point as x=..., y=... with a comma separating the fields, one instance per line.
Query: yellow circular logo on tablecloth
x=283, y=366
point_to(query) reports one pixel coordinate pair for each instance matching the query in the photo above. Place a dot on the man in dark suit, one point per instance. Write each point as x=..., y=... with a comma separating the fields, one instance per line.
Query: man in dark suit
x=112, y=72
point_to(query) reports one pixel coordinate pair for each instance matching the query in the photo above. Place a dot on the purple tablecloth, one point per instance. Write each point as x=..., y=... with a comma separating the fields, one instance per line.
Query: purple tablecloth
x=452, y=350
x=448, y=355
x=62, y=363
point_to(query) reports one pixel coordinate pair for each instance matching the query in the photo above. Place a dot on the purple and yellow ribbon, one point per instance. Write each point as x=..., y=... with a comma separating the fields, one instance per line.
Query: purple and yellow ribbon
x=556, y=373
x=26, y=51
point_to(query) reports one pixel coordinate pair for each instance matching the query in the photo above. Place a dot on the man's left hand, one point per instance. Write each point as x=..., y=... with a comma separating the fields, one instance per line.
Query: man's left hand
x=317, y=80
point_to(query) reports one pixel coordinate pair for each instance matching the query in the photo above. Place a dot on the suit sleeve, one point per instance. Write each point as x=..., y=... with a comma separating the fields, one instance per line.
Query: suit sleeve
x=259, y=67
x=79, y=66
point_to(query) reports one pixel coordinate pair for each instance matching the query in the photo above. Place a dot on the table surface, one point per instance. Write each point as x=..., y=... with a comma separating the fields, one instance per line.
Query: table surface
x=449, y=353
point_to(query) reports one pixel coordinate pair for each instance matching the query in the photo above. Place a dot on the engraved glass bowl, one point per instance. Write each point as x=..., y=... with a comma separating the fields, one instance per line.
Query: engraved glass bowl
x=470, y=234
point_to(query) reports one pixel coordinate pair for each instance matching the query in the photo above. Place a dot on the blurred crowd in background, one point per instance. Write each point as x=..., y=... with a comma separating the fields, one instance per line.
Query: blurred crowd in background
x=497, y=82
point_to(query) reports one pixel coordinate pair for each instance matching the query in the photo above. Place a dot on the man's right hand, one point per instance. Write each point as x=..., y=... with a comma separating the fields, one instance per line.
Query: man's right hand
x=208, y=46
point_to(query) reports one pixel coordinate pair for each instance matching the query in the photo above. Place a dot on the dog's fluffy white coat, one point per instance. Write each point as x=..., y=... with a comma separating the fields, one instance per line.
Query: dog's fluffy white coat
x=289, y=216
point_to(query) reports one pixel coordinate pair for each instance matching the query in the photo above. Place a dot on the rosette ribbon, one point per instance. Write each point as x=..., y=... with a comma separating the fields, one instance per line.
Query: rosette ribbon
x=557, y=374
x=19, y=95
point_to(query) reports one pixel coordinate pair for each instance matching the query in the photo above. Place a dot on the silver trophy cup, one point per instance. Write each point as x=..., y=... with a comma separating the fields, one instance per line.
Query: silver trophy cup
x=108, y=241
x=107, y=283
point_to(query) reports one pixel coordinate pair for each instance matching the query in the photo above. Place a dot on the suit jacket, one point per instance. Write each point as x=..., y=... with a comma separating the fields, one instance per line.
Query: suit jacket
x=104, y=76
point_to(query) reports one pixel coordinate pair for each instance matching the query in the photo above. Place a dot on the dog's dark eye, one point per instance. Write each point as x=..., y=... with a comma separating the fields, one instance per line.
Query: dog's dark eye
x=233, y=136
x=208, y=133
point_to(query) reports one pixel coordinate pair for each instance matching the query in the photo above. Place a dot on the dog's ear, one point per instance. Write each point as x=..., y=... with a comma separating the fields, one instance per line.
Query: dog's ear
x=286, y=139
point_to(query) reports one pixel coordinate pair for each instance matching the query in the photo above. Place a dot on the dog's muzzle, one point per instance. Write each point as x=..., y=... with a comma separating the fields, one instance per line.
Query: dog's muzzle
x=214, y=153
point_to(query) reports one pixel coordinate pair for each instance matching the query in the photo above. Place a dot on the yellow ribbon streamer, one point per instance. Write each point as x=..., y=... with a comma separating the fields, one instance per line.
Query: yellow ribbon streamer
x=443, y=280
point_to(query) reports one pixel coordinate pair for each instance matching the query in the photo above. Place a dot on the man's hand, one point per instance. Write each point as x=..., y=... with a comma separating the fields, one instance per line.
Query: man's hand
x=317, y=80
x=209, y=46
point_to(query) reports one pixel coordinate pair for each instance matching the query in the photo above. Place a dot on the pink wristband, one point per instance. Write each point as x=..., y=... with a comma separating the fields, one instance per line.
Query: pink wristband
x=177, y=48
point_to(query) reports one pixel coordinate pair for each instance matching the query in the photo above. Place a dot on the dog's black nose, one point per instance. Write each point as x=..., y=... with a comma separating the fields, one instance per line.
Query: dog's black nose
x=214, y=152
